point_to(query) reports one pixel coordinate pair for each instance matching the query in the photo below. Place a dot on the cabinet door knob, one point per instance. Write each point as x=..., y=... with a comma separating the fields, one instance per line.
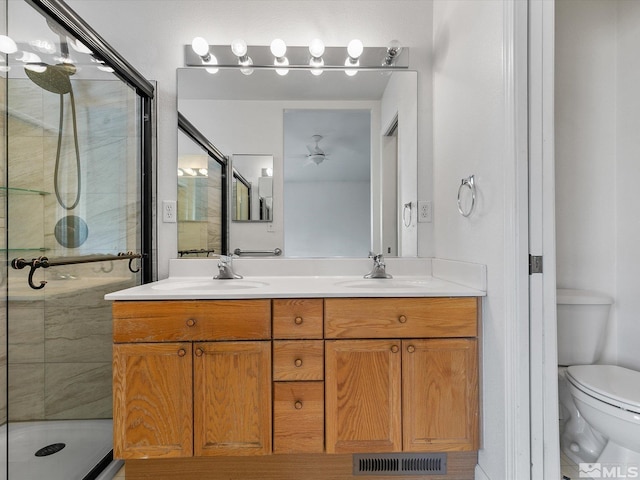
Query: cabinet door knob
x=298, y=362
x=199, y=352
x=411, y=349
x=182, y=352
x=402, y=319
x=191, y=322
x=298, y=320
x=298, y=405
x=394, y=348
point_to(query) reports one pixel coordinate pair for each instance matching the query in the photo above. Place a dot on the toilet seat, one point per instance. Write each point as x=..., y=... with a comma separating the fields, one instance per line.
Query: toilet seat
x=617, y=386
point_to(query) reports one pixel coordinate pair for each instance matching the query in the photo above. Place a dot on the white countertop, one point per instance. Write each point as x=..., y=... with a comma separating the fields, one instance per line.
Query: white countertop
x=414, y=279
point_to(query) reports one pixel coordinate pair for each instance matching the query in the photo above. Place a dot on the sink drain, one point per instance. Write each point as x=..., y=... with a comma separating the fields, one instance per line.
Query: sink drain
x=50, y=449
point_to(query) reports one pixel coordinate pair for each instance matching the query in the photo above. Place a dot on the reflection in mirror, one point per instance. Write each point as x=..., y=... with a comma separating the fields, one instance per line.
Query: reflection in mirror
x=200, y=206
x=247, y=114
x=252, y=188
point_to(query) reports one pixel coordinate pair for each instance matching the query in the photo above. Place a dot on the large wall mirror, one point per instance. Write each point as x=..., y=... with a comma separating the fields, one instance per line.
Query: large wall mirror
x=342, y=150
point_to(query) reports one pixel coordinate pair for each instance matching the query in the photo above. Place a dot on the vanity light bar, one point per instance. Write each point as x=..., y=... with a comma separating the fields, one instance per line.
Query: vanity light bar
x=334, y=58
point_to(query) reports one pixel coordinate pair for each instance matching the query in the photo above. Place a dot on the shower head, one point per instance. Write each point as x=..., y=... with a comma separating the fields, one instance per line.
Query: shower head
x=54, y=79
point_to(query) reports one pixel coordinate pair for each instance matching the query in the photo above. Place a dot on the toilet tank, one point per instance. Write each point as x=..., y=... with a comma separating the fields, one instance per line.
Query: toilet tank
x=582, y=325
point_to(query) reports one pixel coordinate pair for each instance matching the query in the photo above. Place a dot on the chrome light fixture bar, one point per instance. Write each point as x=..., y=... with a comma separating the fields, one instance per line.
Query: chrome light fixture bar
x=300, y=58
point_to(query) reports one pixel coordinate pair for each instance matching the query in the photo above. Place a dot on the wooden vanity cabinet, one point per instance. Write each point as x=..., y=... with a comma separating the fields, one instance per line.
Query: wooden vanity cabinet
x=207, y=394
x=412, y=393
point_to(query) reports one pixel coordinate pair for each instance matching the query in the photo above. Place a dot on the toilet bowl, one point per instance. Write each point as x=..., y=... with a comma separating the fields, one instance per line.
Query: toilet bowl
x=608, y=397
x=599, y=404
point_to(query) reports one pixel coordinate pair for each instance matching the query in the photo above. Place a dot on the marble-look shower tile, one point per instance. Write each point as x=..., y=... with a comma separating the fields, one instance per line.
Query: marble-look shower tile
x=26, y=224
x=25, y=106
x=26, y=391
x=25, y=163
x=78, y=333
x=78, y=390
x=26, y=334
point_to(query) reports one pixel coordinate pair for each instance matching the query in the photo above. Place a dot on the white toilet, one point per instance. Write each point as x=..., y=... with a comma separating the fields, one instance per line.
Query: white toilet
x=599, y=404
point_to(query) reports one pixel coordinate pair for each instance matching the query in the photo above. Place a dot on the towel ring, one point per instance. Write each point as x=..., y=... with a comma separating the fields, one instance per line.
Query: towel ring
x=470, y=183
x=405, y=208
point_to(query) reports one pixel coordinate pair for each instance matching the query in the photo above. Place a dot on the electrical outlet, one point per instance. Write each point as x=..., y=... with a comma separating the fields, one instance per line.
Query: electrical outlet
x=169, y=211
x=425, y=212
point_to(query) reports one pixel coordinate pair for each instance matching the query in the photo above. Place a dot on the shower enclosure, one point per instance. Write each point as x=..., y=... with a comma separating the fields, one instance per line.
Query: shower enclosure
x=76, y=170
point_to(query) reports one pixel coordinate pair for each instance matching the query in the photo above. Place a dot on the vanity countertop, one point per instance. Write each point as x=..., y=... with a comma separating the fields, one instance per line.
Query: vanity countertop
x=206, y=288
x=191, y=279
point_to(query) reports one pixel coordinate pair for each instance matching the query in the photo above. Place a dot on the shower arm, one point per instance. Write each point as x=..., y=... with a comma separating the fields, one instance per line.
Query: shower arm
x=44, y=262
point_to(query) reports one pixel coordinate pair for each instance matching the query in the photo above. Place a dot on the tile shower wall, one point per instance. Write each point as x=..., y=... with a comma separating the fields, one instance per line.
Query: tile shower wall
x=59, y=350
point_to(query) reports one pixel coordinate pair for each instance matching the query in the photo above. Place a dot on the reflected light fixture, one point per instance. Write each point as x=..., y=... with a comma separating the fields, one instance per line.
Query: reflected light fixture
x=239, y=49
x=393, y=51
x=279, y=50
x=7, y=45
x=201, y=47
x=316, y=49
x=354, y=50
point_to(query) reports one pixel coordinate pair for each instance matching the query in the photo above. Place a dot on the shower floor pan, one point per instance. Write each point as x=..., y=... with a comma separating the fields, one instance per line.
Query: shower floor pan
x=67, y=450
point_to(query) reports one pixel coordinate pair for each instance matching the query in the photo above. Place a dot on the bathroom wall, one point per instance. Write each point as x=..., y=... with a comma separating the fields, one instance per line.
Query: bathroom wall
x=153, y=37
x=597, y=152
x=628, y=173
x=585, y=148
x=471, y=135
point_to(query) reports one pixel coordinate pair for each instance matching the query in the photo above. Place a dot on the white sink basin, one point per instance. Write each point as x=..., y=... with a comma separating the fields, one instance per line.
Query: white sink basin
x=208, y=285
x=383, y=283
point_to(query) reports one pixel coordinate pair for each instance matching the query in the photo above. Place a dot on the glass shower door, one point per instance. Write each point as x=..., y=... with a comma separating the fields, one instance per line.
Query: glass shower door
x=74, y=196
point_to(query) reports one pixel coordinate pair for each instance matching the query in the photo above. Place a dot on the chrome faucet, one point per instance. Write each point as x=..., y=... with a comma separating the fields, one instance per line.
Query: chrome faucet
x=378, y=270
x=225, y=269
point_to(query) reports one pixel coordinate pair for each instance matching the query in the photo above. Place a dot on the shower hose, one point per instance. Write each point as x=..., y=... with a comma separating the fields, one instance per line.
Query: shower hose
x=77, y=151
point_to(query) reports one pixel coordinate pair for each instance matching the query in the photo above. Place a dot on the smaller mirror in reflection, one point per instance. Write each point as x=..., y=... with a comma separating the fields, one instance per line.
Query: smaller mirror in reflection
x=252, y=188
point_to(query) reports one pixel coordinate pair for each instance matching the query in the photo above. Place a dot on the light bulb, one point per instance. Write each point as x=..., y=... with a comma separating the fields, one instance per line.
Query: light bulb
x=246, y=66
x=29, y=57
x=203, y=172
x=7, y=45
x=190, y=171
x=105, y=68
x=239, y=48
x=211, y=61
x=36, y=67
x=281, y=62
x=316, y=48
x=278, y=48
x=43, y=46
x=180, y=172
x=78, y=46
x=200, y=46
x=355, y=48
x=351, y=63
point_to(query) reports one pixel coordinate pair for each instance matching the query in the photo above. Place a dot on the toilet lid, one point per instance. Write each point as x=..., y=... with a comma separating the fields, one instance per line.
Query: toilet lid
x=615, y=385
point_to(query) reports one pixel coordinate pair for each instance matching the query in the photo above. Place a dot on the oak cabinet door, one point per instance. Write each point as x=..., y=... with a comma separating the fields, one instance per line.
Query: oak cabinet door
x=362, y=396
x=232, y=398
x=152, y=400
x=440, y=394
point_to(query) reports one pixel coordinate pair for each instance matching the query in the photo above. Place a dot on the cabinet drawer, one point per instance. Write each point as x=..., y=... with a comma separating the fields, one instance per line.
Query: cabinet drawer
x=298, y=360
x=196, y=320
x=297, y=318
x=298, y=417
x=400, y=317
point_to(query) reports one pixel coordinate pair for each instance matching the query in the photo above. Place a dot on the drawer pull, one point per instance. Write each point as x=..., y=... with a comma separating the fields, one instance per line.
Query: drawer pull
x=182, y=352
x=298, y=405
x=298, y=362
x=191, y=322
x=394, y=348
x=199, y=352
x=298, y=320
x=402, y=319
x=411, y=349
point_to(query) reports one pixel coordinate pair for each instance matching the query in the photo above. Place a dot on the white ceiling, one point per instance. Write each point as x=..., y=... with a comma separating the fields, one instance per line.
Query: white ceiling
x=346, y=141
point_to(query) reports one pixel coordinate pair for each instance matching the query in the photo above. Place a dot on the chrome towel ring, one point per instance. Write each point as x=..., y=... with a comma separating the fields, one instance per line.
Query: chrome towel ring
x=470, y=183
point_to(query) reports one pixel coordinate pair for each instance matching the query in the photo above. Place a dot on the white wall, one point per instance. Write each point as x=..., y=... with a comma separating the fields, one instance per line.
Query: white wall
x=628, y=173
x=585, y=154
x=470, y=134
x=597, y=160
x=151, y=35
